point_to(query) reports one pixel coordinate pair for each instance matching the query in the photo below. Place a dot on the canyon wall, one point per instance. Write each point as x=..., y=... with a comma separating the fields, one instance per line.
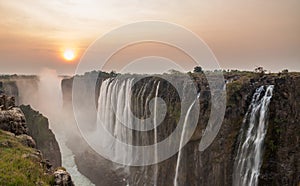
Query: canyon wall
x=214, y=166
x=38, y=128
x=22, y=162
x=37, y=125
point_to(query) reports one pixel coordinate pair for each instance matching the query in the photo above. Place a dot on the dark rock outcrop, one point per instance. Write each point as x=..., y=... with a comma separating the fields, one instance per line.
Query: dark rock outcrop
x=11, y=118
x=6, y=102
x=62, y=178
x=38, y=128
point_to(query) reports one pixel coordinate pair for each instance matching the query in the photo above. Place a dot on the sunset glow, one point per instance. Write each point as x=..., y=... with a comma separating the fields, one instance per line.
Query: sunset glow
x=69, y=55
x=241, y=34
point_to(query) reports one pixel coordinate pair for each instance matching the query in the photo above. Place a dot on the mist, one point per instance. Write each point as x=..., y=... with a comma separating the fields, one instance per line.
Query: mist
x=44, y=94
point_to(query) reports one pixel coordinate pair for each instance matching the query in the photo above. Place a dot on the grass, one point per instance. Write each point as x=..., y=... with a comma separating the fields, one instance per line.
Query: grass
x=18, y=165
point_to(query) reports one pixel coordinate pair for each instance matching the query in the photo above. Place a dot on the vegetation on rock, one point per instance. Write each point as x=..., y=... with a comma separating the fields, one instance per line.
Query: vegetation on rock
x=21, y=165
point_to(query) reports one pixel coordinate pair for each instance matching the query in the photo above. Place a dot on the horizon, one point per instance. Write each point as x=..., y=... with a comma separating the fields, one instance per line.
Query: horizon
x=170, y=71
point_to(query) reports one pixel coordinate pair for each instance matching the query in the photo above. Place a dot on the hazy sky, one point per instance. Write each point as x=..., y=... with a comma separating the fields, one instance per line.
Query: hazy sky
x=242, y=33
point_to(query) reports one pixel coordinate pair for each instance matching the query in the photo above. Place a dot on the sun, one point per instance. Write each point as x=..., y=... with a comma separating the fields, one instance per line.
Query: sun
x=69, y=54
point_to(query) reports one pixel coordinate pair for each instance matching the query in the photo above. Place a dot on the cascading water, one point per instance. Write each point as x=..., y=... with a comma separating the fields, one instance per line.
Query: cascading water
x=251, y=138
x=181, y=141
x=114, y=112
x=114, y=107
x=155, y=134
x=118, y=105
x=144, y=107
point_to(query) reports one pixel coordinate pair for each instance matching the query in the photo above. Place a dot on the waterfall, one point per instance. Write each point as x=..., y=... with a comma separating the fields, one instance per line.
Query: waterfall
x=120, y=101
x=115, y=115
x=155, y=134
x=114, y=109
x=251, y=139
x=145, y=110
x=181, y=141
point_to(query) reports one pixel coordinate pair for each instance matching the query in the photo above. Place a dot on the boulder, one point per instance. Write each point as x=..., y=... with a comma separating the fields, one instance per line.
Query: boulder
x=13, y=121
x=62, y=178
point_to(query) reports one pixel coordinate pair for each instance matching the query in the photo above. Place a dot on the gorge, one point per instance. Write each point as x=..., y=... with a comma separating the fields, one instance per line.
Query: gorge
x=258, y=142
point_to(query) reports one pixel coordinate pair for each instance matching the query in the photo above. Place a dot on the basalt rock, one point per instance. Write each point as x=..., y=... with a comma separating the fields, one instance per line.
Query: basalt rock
x=38, y=128
x=12, y=118
x=281, y=163
x=62, y=178
x=6, y=102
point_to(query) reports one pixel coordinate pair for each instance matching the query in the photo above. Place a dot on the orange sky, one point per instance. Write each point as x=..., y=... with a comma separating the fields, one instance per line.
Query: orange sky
x=242, y=34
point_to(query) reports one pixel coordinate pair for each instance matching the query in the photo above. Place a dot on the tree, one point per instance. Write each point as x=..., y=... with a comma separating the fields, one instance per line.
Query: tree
x=198, y=69
x=113, y=73
x=260, y=70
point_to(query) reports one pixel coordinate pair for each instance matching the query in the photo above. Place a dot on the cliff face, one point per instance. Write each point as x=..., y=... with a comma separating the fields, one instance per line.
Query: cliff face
x=214, y=166
x=37, y=124
x=38, y=128
x=281, y=164
x=21, y=163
